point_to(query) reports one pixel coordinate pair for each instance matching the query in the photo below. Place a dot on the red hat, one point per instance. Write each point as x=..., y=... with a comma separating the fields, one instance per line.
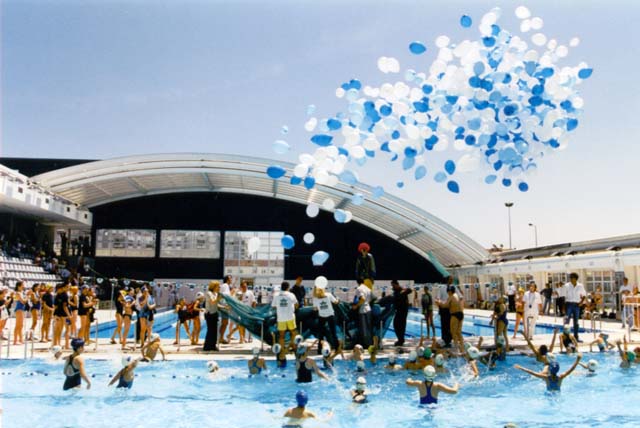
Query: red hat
x=364, y=246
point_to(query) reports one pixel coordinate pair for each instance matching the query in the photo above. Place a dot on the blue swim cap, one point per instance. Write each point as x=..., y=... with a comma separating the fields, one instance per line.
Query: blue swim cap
x=554, y=368
x=301, y=398
x=77, y=343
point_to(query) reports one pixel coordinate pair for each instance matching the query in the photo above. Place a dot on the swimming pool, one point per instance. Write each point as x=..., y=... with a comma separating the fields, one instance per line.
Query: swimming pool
x=180, y=394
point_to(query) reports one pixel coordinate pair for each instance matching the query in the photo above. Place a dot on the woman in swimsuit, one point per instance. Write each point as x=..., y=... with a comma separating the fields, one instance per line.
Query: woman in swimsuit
x=47, y=312
x=306, y=366
x=183, y=319
x=74, y=367
x=33, y=296
x=197, y=307
x=129, y=301
x=429, y=389
x=21, y=304
x=74, y=302
x=500, y=318
x=256, y=364
x=550, y=376
x=119, y=317
x=84, y=304
x=143, y=314
x=61, y=315
x=519, y=311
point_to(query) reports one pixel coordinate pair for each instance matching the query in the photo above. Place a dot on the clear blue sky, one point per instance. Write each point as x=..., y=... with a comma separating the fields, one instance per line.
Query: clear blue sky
x=100, y=79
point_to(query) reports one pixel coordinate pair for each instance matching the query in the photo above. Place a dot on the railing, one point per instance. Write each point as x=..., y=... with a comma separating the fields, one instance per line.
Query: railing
x=595, y=317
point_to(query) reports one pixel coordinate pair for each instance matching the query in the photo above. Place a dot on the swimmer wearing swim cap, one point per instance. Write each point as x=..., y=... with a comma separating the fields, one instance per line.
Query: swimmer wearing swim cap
x=212, y=366
x=151, y=348
x=359, y=393
x=126, y=375
x=392, y=364
x=74, y=367
x=298, y=414
x=305, y=366
x=429, y=389
x=412, y=362
x=550, y=374
x=628, y=357
x=256, y=364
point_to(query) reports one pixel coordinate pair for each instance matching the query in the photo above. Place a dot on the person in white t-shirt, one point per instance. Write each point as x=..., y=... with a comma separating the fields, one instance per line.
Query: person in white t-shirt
x=532, y=308
x=323, y=302
x=247, y=297
x=286, y=304
x=511, y=294
x=627, y=311
x=575, y=295
x=362, y=305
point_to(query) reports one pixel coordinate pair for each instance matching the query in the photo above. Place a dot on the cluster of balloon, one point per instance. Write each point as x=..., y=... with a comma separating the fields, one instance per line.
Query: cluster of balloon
x=502, y=102
x=495, y=106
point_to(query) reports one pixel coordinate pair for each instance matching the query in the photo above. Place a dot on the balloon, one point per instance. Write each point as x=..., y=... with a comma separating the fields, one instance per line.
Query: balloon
x=328, y=204
x=288, y=242
x=465, y=21
x=450, y=167
x=311, y=109
x=420, y=172
x=417, y=48
x=522, y=12
x=253, y=245
x=319, y=258
x=276, y=171
x=321, y=282
x=340, y=216
x=280, y=147
x=322, y=140
x=357, y=199
x=308, y=238
x=453, y=187
x=284, y=130
x=312, y=210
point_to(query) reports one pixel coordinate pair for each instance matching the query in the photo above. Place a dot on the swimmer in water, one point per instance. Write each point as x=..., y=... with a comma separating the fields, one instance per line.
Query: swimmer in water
x=550, y=375
x=628, y=357
x=392, y=364
x=256, y=364
x=440, y=368
x=281, y=356
x=74, y=367
x=305, y=366
x=151, y=348
x=591, y=366
x=126, y=375
x=298, y=414
x=359, y=394
x=429, y=389
x=602, y=342
x=212, y=366
x=568, y=341
x=541, y=352
x=412, y=363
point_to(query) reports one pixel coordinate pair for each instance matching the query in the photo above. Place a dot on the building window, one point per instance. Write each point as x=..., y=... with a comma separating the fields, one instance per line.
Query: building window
x=523, y=281
x=125, y=243
x=557, y=277
x=190, y=244
x=606, y=280
x=262, y=267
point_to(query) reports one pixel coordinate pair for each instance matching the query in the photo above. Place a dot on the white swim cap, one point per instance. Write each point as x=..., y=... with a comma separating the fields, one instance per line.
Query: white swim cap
x=255, y=351
x=360, y=366
x=326, y=351
x=551, y=357
x=392, y=359
x=361, y=380
x=155, y=336
x=421, y=350
x=429, y=373
x=212, y=366
x=439, y=360
x=298, y=339
x=126, y=360
x=593, y=365
x=276, y=348
x=413, y=356
x=500, y=341
x=473, y=352
x=566, y=328
x=467, y=345
x=56, y=349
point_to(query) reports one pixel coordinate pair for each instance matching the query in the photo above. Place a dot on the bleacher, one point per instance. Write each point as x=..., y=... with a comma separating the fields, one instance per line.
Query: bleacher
x=14, y=269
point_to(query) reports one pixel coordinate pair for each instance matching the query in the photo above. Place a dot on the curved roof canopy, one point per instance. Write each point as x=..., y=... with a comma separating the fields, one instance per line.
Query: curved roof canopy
x=101, y=182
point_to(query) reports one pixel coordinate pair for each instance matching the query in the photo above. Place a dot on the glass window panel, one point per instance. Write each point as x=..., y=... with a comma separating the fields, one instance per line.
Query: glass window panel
x=125, y=243
x=191, y=244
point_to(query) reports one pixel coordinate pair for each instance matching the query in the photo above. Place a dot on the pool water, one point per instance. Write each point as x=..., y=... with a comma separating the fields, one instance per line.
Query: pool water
x=182, y=394
x=165, y=326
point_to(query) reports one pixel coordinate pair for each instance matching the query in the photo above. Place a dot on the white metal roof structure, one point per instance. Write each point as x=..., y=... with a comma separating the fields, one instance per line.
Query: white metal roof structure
x=101, y=182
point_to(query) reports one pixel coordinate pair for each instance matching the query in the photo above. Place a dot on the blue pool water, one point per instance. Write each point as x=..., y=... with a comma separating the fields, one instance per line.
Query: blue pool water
x=164, y=325
x=181, y=394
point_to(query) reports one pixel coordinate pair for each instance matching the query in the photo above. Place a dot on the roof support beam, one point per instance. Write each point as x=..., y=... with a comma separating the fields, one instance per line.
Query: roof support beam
x=274, y=188
x=207, y=180
x=408, y=233
x=343, y=203
x=137, y=185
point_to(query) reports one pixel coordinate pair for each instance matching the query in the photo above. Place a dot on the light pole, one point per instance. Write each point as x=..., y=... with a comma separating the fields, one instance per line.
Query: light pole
x=535, y=229
x=509, y=205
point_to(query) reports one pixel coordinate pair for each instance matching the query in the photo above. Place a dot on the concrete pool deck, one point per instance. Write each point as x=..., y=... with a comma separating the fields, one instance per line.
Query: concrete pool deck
x=237, y=351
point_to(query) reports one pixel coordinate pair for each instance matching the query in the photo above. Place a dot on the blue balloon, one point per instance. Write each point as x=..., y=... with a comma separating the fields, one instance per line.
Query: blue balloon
x=417, y=48
x=523, y=187
x=466, y=21
x=288, y=242
x=572, y=124
x=506, y=182
x=400, y=184
x=309, y=182
x=420, y=172
x=490, y=179
x=311, y=109
x=295, y=180
x=410, y=152
x=453, y=187
x=407, y=163
x=276, y=171
x=340, y=215
x=478, y=68
x=322, y=140
x=319, y=258
x=348, y=177
x=450, y=167
x=585, y=73
x=334, y=124
x=440, y=177
x=280, y=147
x=377, y=192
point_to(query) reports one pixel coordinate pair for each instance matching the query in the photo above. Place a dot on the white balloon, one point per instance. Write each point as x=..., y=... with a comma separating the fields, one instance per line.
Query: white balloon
x=348, y=216
x=306, y=159
x=308, y=238
x=525, y=25
x=468, y=163
x=382, y=64
x=328, y=204
x=522, y=12
x=358, y=152
x=300, y=170
x=539, y=39
x=562, y=51
x=393, y=65
x=321, y=282
x=253, y=245
x=321, y=176
x=442, y=41
x=310, y=124
x=313, y=210
x=574, y=42
x=537, y=23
